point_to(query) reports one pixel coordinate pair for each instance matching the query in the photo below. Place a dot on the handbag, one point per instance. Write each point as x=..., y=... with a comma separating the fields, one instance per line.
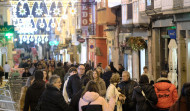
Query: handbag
x=151, y=103
x=91, y=107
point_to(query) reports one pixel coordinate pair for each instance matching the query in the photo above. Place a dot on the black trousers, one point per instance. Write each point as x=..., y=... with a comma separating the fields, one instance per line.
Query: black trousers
x=6, y=75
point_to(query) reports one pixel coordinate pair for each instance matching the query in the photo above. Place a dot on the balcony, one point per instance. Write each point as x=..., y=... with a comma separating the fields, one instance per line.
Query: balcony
x=186, y=3
x=139, y=18
x=127, y=14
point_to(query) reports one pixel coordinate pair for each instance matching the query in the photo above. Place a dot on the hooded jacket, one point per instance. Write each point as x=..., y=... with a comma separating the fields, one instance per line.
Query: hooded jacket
x=141, y=103
x=33, y=94
x=166, y=93
x=95, y=98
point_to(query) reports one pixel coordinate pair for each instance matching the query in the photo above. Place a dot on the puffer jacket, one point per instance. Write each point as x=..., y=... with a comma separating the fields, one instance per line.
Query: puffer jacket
x=96, y=99
x=141, y=103
x=166, y=93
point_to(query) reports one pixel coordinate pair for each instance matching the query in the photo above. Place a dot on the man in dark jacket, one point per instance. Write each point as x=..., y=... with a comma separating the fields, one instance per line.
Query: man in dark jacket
x=34, y=92
x=60, y=71
x=127, y=85
x=107, y=75
x=76, y=81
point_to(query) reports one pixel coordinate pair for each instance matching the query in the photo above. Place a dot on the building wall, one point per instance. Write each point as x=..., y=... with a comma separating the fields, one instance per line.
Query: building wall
x=101, y=43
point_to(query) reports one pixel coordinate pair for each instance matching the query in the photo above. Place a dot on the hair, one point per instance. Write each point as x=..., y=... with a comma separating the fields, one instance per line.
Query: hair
x=127, y=73
x=59, y=64
x=1, y=69
x=91, y=87
x=80, y=65
x=185, y=92
x=164, y=74
x=115, y=78
x=98, y=74
x=38, y=75
x=47, y=76
x=144, y=79
x=53, y=79
x=28, y=82
x=89, y=73
x=145, y=67
x=72, y=69
x=107, y=69
x=5, y=62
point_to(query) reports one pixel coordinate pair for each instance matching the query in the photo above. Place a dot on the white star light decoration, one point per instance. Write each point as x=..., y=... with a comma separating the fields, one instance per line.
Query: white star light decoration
x=39, y=11
x=56, y=11
x=42, y=25
x=22, y=11
x=73, y=11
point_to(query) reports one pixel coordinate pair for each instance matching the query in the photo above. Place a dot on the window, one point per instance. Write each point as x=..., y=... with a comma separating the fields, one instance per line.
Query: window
x=149, y=3
x=129, y=11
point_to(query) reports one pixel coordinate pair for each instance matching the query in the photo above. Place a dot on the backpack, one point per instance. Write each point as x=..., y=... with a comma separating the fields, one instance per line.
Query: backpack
x=92, y=107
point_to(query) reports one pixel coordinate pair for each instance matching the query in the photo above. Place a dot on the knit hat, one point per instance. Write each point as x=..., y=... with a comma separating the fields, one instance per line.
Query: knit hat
x=38, y=75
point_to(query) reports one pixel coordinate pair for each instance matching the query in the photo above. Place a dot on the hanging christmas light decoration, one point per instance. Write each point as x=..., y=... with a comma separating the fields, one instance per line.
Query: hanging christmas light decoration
x=22, y=11
x=39, y=11
x=29, y=16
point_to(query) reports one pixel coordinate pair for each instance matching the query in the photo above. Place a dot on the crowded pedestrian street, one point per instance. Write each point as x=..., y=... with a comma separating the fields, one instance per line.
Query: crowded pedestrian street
x=94, y=55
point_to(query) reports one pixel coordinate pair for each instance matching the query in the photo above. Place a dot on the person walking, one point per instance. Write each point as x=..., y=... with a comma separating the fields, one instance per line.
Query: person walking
x=182, y=104
x=107, y=75
x=76, y=81
x=127, y=85
x=144, y=95
x=72, y=71
x=150, y=76
x=91, y=100
x=100, y=82
x=60, y=71
x=26, y=72
x=23, y=92
x=52, y=99
x=7, y=69
x=166, y=92
x=34, y=92
x=113, y=91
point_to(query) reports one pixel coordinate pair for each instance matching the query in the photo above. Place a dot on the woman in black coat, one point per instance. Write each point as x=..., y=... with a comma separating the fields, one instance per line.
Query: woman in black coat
x=52, y=99
x=34, y=92
x=141, y=103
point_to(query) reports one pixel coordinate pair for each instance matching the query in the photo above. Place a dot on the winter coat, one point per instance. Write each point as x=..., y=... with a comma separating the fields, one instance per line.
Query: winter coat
x=113, y=69
x=26, y=74
x=102, y=87
x=52, y=100
x=33, y=94
x=22, y=97
x=112, y=91
x=75, y=83
x=65, y=95
x=96, y=99
x=166, y=93
x=75, y=100
x=127, y=89
x=182, y=103
x=60, y=72
x=141, y=103
x=106, y=77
